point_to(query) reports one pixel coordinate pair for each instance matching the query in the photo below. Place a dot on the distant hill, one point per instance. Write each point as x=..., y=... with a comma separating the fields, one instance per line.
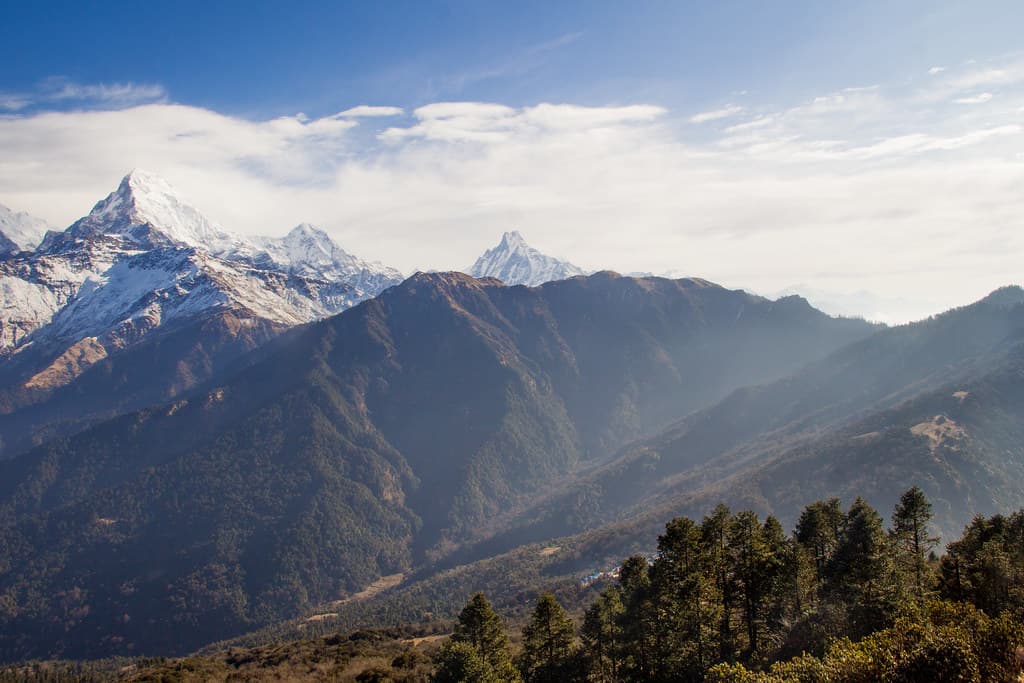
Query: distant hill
x=934, y=403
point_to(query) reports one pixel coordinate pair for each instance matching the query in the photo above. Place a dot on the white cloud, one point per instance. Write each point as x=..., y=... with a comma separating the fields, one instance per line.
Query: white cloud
x=365, y=110
x=750, y=125
x=981, y=98
x=884, y=189
x=724, y=113
x=935, y=70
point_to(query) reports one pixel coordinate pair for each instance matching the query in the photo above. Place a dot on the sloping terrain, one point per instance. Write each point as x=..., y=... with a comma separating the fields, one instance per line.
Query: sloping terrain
x=945, y=415
x=363, y=445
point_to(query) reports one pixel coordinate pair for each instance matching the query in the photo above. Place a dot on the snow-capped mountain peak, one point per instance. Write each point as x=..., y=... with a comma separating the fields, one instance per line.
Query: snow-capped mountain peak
x=144, y=258
x=515, y=262
x=19, y=231
x=308, y=244
x=147, y=211
x=513, y=240
x=309, y=251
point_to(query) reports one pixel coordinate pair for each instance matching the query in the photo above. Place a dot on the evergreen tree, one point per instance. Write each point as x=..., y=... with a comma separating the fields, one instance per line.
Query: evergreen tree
x=910, y=522
x=784, y=601
x=548, y=643
x=715, y=541
x=759, y=566
x=601, y=635
x=481, y=628
x=860, y=574
x=460, y=662
x=818, y=531
x=637, y=624
x=686, y=612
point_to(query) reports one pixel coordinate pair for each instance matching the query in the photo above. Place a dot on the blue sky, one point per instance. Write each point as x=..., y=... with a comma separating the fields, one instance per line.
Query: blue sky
x=266, y=59
x=869, y=153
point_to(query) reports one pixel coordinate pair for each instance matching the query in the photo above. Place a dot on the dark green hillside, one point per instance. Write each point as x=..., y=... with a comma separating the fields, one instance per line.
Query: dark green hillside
x=362, y=446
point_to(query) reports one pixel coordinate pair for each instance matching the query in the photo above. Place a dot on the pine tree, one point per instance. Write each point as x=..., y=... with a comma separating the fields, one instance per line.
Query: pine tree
x=783, y=601
x=638, y=621
x=481, y=628
x=601, y=635
x=910, y=522
x=715, y=541
x=548, y=643
x=460, y=662
x=685, y=639
x=758, y=565
x=860, y=574
x=818, y=531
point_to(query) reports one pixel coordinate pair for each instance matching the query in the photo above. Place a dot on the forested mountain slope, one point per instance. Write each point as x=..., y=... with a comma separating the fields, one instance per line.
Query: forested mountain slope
x=369, y=442
x=936, y=403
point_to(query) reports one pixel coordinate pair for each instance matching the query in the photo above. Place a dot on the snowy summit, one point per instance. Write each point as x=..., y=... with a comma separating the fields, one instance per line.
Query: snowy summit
x=515, y=262
x=19, y=231
x=143, y=258
x=147, y=212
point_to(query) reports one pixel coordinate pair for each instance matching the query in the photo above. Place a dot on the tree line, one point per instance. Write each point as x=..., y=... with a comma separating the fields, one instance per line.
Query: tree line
x=734, y=599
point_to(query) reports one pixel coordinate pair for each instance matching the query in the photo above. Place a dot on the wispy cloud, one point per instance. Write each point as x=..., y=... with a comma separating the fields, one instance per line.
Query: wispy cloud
x=716, y=114
x=365, y=110
x=495, y=123
x=60, y=91
x=935, y=70
x=13, y=102
x=981, y=98
x=523, y=61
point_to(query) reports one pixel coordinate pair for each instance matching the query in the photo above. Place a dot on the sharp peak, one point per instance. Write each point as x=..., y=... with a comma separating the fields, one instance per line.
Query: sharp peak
x=145, y=198
x=308, y=229
x=139, y=187
x=141, y=174
x=513, y=238
x=139, y=179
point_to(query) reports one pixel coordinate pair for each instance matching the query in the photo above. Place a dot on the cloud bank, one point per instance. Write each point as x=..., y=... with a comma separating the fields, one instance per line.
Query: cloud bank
x=900, y=191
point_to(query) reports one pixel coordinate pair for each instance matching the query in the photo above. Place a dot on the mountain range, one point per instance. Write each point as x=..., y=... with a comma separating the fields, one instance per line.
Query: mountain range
x=146, y=277
x=204, y=433
x=938, y=404
x=372, y=442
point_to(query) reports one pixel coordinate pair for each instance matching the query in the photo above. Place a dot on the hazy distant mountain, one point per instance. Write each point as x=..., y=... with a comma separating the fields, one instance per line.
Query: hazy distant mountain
x=19, y=231
x=362, y=445
x=515, y=262
x=863, y=304
x=144, y=263
x=939, y=404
